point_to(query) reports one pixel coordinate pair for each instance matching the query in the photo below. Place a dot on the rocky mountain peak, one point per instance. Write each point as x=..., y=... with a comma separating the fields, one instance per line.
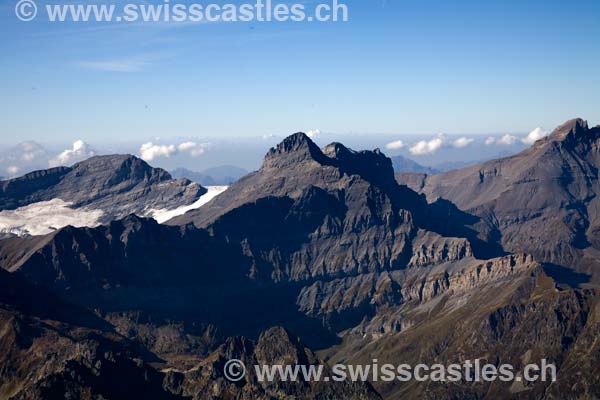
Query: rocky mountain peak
x=575, y=128
x=296, y=148
x=296, y=164
x=299, y=148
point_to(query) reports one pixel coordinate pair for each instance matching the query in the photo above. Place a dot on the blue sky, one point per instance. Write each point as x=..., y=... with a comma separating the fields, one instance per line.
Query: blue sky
x=397, y=67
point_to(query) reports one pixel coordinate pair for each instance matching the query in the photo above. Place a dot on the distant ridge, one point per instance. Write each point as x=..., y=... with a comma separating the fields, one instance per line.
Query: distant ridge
x=216, y=176
x=402, y=164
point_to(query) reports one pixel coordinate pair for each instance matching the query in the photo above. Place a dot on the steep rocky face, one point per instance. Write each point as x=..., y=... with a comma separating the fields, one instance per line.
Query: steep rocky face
x=543, y=201
x=132, y=251
x=377, y=294
x=116, y=185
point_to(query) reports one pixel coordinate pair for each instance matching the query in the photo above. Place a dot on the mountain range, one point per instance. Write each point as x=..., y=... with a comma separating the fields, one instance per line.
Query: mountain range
x=542, y=201
x=323, y=255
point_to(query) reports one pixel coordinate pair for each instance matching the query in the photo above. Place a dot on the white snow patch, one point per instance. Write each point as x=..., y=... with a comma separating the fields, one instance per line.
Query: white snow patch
x=45, y=217
x=164, y=215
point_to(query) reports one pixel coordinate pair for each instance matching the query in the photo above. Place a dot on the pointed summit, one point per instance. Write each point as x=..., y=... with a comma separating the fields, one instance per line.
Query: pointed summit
x=294, y=149
x=294, y=142
x=297, y=164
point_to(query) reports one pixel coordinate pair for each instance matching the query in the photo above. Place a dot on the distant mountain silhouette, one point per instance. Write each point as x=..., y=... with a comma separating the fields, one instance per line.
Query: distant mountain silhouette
x=217, y=176
x=403, y=164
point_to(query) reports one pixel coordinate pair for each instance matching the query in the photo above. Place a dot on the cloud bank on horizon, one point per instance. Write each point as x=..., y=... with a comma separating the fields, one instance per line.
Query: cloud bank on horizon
x=432, y=146
x=150, y=151
x=423, y=147
x=395, y=145
x=508, y=140
x=427, y=147
x=462, y=142
x=29, y=156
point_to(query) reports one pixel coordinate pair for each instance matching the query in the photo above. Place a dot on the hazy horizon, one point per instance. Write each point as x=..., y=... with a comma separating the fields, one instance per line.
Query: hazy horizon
x=199, y=153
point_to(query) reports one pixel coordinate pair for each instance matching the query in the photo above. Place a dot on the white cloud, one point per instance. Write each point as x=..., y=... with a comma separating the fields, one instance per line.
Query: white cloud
x=186, y=146
x=313, y=133
x=78, y=152
x=193, y=148
x=149, y=151
x=507, y=140
x=395, y=145
x=462, y=142
x=535, y=135
x=12, y=170
x=427, y=146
